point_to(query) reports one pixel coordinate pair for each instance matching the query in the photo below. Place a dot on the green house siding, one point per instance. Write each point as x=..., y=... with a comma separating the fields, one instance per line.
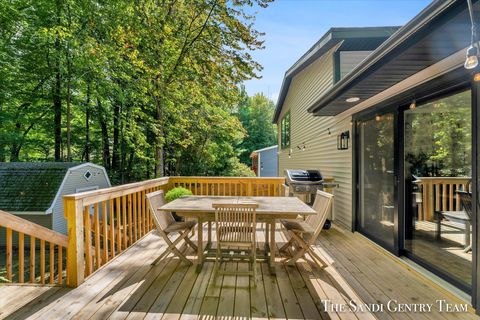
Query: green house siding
x=320, y=147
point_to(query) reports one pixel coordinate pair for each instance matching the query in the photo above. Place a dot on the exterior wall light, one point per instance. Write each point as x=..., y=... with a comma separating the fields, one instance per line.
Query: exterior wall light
x=471, y=60
x=342, y=140
x=413, y=105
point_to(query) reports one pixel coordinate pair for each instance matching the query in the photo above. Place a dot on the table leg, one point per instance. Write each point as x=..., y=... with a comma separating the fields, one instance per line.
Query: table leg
x=467, y=234
x=267, y=226
x=438, y=234
x=209, y=232
x=272, y=246
x=200, y=245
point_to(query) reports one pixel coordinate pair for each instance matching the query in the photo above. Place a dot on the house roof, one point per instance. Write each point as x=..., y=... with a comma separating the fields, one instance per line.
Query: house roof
x=26, y=186
x=351, y=39
x=437, y=32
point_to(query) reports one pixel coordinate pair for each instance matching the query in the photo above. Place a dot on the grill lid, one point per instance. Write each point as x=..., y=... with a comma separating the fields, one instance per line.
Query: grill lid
x=299, y=176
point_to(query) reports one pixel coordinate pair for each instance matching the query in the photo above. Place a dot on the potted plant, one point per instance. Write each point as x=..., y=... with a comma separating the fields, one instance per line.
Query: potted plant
x=176, y=193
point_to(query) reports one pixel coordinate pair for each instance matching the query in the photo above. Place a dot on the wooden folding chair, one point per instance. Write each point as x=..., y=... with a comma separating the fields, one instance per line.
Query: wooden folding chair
x=303, y=234
x=166, y=224
x=236, y=227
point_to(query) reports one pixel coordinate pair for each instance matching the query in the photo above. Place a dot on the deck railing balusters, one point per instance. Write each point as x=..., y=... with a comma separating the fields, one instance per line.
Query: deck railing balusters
x=32, y=259
x=51, y=260
x=439, y=194
x=21, y=257
x=42, y=261
x=9, y=257
x=16, y=229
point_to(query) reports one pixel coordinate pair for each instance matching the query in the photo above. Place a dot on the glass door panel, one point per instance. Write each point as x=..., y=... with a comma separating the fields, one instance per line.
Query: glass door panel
x=437, y=144
x=377, y=179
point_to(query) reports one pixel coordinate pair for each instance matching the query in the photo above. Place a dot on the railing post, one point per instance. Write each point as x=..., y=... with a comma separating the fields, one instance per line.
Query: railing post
x=75, y=251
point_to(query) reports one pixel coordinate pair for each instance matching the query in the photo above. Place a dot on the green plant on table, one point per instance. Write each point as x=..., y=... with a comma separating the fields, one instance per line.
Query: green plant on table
x=176, y=193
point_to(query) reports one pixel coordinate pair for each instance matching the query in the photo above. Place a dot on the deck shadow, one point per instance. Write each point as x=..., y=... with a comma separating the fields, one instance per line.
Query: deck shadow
x=38, y=303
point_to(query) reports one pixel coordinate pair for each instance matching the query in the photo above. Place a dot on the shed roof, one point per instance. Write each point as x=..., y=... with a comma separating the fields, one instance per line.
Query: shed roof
x=256, y=152
x=26, y=186
x=266, y=148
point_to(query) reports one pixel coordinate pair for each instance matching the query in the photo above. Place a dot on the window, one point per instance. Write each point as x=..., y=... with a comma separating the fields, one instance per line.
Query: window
x=285, y=131
x=87, y=175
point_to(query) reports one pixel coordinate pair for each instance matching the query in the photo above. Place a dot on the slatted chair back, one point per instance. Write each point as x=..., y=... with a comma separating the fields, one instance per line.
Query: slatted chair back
x=466, y=201
x=162, y=219
x=235, y=222
x=322, y=205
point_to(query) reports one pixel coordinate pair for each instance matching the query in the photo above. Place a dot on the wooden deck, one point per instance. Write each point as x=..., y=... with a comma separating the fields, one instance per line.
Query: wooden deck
x=355, y=271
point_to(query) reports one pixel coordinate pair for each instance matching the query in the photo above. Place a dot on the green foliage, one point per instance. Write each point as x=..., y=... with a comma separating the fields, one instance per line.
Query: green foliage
x=238, y=169
x=256, y=114
x=145, y=88
x=439, y=137
x=176, y=193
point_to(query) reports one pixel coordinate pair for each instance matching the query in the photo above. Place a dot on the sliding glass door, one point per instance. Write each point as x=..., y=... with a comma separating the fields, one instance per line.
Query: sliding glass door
x=376, y=202
x=437, y=158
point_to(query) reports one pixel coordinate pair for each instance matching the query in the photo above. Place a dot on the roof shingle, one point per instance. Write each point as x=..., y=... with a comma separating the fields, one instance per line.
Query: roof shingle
x=26, y=186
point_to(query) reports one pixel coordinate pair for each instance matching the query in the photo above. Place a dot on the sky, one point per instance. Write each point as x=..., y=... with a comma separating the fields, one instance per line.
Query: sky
x=292, y=26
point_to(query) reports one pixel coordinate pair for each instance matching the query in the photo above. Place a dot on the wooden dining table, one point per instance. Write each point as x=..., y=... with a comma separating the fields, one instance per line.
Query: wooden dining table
x=269, y=211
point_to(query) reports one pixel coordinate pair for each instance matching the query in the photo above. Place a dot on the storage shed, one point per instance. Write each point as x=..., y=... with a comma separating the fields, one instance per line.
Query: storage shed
x=35, y=191
x=265, y=161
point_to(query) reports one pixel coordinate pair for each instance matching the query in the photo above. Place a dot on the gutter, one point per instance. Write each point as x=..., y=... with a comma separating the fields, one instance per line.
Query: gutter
x=417, y=23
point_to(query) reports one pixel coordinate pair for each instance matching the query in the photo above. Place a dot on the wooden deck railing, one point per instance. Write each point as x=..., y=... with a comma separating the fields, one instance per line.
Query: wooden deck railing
x=230, y=186
x=103, y=223
x=49, y=241
x=439, y=194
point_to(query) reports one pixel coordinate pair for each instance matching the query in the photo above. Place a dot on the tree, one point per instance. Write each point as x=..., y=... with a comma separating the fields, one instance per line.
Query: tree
x=256, y=114
x=439, y=136
x=135, y=86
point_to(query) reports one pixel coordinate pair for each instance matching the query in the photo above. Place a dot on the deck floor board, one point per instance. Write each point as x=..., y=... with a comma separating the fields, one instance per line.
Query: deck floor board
x=130, y=288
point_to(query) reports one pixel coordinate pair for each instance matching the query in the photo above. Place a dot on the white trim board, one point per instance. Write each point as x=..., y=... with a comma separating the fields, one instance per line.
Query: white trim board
x=265, y=149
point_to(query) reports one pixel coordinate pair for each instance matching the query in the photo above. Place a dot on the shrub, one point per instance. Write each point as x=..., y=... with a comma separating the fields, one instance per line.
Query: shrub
x=176, y=193
x=238, y=169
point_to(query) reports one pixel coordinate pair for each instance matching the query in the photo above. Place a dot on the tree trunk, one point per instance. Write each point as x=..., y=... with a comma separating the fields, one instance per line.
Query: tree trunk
x=69, y=111
x=116, y=141
x=15, y=153
x=159, y=152
x=87, y=125
x=3, y=143
x=57, y=122
x=159, y=167
x=57, y=91
x=104, y=129
x=16, y=146
x=125, y=127
x=130, y=163
x=2, y=153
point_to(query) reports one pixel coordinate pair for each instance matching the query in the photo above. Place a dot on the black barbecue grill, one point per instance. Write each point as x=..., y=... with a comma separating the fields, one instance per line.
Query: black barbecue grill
x=306, y=182
x=303, y=182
